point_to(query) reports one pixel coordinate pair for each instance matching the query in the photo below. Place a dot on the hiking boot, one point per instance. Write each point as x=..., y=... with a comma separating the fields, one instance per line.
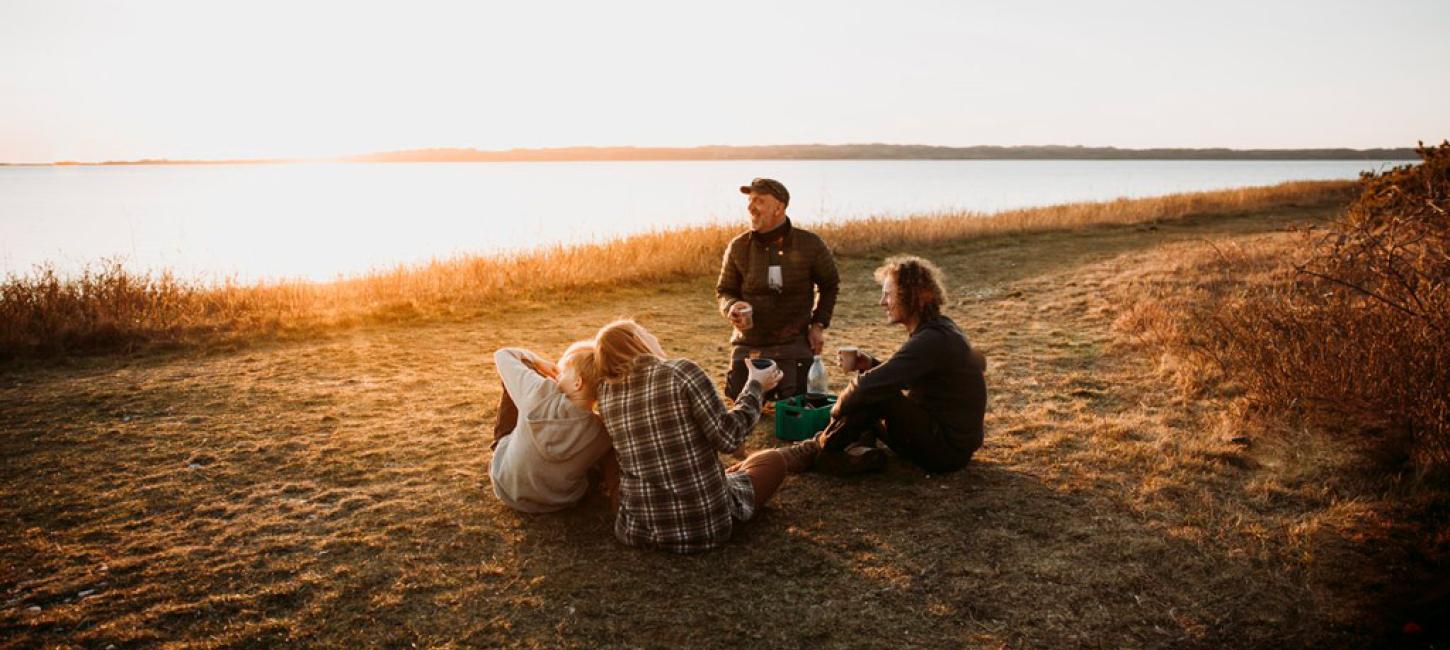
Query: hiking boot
x=855, y=459
x=800, y=456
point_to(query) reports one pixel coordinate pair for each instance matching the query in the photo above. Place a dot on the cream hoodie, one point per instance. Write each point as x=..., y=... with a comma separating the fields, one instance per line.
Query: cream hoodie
x=543, y=465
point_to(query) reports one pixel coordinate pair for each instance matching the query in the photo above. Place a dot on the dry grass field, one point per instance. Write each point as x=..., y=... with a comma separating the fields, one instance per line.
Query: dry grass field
x=333, y=490
x=111, y=307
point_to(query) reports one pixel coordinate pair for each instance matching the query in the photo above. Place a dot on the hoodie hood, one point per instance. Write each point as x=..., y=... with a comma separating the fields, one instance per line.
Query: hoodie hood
x=561, y=430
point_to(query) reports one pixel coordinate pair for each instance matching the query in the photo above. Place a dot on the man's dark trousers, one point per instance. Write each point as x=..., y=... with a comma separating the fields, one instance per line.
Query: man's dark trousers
x=904, y=426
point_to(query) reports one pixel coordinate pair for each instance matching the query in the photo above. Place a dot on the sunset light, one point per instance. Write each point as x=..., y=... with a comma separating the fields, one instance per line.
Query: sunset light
x=656, y=324
x=177, y=79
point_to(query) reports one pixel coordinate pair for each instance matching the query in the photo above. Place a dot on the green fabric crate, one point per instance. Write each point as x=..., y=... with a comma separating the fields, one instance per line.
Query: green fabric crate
x=796, y=421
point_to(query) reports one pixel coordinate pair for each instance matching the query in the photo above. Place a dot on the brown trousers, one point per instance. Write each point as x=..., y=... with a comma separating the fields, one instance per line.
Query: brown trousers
x=508, y=417
x=766, y=470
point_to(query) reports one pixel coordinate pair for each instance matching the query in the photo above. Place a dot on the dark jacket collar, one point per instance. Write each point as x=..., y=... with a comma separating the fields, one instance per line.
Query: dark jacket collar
x=937, y=322
x=781, y=233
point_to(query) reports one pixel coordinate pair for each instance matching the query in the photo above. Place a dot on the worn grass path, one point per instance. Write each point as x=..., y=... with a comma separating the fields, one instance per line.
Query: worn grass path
x=335, y=492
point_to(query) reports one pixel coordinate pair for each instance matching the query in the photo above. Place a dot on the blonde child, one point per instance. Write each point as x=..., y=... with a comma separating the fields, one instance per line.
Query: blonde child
x=547, y=436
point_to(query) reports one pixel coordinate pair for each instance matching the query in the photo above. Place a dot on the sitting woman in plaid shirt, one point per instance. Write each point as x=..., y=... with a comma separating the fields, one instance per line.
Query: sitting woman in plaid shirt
x=667, y=422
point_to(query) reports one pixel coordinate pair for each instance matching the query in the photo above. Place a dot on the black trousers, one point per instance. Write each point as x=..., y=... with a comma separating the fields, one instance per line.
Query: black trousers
x=905, y=427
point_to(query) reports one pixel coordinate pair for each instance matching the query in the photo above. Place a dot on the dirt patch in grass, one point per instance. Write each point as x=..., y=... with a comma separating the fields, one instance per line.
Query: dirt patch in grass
x=335, y=492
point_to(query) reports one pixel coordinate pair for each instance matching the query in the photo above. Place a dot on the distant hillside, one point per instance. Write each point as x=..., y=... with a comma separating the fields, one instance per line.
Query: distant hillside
x=166, y=161
x=808, y=152
x=874, y=152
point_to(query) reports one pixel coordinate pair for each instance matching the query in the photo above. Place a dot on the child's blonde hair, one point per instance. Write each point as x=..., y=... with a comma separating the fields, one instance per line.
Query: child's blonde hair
x=580, y=356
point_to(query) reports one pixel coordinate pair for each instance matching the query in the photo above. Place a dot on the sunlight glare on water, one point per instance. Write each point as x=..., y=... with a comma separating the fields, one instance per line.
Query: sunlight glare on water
x=319, y=221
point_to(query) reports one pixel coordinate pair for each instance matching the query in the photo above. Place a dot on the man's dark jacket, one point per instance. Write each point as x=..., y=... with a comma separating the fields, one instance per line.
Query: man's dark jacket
x=781, y=317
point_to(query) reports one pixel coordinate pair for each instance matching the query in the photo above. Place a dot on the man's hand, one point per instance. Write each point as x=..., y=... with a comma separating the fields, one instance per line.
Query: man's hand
x=817, y=336
x=737, y=318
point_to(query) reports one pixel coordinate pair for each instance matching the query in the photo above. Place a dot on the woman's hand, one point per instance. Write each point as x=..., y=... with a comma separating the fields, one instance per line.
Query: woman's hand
x=768, y=376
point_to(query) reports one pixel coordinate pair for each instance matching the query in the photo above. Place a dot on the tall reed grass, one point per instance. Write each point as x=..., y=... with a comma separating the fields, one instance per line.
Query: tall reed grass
x=110, y=307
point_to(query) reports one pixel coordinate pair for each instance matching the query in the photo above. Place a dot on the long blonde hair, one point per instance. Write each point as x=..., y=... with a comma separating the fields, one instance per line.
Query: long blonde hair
x=616, y=346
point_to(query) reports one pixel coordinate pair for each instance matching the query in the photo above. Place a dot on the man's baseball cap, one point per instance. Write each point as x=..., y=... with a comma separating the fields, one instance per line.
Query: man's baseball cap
x=767, y=186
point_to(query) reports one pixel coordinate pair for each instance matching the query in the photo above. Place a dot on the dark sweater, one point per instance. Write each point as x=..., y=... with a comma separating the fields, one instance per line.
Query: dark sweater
x=935, y=369
x=807, y=267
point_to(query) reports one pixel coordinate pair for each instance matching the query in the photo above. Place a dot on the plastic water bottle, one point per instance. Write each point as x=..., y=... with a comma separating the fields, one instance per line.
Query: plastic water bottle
x=816, y=381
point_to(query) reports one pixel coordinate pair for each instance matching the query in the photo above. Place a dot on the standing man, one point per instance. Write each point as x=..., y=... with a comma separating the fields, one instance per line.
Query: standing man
x=778, y=287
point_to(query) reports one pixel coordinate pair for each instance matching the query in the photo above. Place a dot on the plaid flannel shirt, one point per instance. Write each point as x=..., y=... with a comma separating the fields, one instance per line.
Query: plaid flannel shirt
x=667, y=422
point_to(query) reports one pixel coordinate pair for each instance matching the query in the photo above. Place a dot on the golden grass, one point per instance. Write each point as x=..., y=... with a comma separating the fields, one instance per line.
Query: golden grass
x=1347, y=326
x=111, y=307
x=332, y=492
x=1313, y=393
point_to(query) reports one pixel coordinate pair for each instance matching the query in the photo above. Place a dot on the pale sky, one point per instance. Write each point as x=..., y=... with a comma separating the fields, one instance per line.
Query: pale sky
x=194, y=79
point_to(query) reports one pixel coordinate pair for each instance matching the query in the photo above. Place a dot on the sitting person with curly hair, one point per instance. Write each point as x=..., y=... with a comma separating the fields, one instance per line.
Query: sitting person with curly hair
x=926, y=402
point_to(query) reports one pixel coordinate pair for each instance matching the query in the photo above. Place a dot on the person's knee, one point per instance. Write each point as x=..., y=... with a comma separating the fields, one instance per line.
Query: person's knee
x=765, y=467
x=766, y=470
x=764, y=460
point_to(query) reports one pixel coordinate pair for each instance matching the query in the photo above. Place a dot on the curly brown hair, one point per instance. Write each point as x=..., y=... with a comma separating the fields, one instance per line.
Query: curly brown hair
x=919, y=285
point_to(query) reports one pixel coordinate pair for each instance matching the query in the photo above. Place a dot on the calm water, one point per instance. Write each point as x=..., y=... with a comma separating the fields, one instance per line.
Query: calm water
x=322, y=220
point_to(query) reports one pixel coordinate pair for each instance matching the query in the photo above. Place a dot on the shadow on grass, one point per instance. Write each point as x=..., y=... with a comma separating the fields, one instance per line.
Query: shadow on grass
x=986, y=555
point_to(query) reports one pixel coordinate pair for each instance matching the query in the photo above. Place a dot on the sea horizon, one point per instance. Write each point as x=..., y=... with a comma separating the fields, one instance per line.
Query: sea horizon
x=328, y=221
x=811, y=151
